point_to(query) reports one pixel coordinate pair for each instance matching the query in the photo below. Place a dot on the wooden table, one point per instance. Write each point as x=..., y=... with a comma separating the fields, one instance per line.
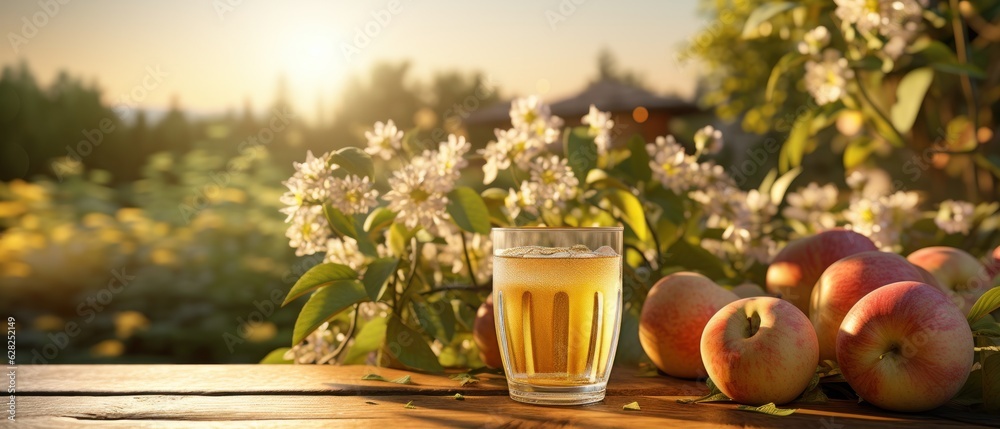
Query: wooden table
x=264, y=396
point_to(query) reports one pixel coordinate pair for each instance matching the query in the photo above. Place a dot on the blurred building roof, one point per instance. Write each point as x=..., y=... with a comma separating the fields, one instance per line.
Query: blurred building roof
x=607, y=95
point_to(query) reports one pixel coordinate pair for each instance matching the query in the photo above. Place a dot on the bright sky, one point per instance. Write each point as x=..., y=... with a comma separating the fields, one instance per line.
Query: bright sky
x=213, y=54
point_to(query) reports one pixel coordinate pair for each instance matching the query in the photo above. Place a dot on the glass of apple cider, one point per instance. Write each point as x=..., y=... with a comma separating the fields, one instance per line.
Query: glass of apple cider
x=558, y=297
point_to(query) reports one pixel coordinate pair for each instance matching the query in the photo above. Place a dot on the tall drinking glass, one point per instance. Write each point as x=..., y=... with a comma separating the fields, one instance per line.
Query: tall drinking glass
x=558, y=298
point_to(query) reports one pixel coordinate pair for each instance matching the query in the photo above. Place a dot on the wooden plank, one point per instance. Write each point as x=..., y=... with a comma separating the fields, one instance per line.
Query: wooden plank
x=474, y=411
x=290, y=379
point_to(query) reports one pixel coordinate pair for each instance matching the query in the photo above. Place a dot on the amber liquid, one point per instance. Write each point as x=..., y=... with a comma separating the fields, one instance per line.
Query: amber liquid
x=557, y=318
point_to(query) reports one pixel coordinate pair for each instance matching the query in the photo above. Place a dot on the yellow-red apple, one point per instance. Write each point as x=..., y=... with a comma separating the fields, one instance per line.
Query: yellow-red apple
x=795, y=269
x=847, y=281
x=959, y=275
x=760, y=350
x=484, y=333
x=903, y=347
x=673, y=316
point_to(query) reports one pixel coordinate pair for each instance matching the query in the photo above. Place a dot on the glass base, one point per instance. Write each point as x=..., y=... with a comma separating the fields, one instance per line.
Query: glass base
x=556, y=395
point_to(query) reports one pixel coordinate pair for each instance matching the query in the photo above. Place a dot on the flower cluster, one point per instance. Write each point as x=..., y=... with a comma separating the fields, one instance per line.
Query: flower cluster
x=880, y=215
x=427, y=236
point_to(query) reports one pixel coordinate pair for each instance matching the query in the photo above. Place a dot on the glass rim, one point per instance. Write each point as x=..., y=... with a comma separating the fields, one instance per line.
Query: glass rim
x=559, y=228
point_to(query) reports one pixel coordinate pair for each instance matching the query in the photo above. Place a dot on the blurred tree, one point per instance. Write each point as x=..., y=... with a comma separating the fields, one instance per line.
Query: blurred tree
x=608, y=69
x=173, y=133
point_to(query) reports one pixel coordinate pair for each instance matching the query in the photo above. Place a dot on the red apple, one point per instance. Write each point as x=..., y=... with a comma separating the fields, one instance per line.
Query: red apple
x=673, y=316
x=959, y=275
x=847, y=281
x=795, y=269
x=903, y=347
x=760, y=350
x=484, y=333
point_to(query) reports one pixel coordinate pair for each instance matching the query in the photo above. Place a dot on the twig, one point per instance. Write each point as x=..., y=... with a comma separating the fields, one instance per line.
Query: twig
x=414, y=260
x=350, y=333
x=963, y=58
x=468, y=260
x=656, y=242
x=461, y=287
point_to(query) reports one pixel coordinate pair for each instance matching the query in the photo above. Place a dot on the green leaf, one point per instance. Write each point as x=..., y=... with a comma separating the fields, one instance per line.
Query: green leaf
x=465, y=379
x=373, y=377
x=409, y=347
x=909, y=97
x=319, y=276
x=693, y=257
x=971, y=392
x=633, y=406
x=985, y=304
x=991, y=382
x=459, y=397
x=794, y=148
x=961, y=135
x=437, y=318
x=277, y=356
x=468, y=210
x=410, y=406
x=327, y=304
x=857, y=151
x=398, y=238
x=367, y=340
x=632, y=211
x=581, y=152
x=638, y=160
x=782, y=184
x=787, y=62
x=768, y=409
x=378, y=272
x=711, y=397
x=378, y=220
x=402, y=380
x=339, y=222
x=355, y=161
x=768, y=182
x=763, y=13
x=961, y=69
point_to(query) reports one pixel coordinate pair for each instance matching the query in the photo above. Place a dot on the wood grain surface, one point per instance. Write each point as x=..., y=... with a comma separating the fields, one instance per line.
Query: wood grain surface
x=321, y=396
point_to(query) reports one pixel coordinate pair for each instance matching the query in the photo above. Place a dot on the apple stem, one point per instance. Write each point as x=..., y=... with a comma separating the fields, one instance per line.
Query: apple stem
x=754, y=324
x=893, y=349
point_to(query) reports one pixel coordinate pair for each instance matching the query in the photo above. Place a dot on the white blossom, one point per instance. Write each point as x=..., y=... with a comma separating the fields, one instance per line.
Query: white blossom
x=532, y=115
x=882, y=219
x=308, y=230
x=553, y=179
x=826, y=80
x=814, y=41
x=308, y=189
x=670, y=165
x=955, y=216
x=600, y=128
x=449, y=160
x=353, y=194
x=522, y=199
x=512, y=146
x=418, y=197
x=708, y=140
x=384, y=141
x=812, y=206
x=886, y=17
x=344, y=251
